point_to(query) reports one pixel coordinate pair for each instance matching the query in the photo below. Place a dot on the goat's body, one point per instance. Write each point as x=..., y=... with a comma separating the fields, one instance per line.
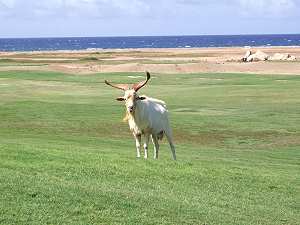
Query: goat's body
x=150, y=119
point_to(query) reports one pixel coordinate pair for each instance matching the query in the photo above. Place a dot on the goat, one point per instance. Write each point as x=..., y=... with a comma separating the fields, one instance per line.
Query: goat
x=146, y=116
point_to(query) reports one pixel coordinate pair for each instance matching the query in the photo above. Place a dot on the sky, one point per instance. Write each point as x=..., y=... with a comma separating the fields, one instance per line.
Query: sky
x=65, y=18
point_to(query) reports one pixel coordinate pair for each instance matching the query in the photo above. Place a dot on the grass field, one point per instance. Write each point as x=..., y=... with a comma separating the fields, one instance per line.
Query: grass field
x=66, y=157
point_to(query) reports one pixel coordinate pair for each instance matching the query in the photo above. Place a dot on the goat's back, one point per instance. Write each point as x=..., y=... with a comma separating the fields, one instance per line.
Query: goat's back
x=153, y=113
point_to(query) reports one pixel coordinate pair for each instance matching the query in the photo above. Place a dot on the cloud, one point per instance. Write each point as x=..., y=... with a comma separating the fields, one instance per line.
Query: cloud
x=268, y=8
x=98, y=9
x=145, y=17
x=72, y=8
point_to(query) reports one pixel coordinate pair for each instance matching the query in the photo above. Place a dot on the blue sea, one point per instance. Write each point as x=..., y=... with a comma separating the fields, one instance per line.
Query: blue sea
x=80, y=43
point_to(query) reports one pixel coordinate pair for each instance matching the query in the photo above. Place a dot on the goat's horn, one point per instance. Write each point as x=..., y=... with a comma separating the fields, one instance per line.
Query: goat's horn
x=141, y=84
x=123, y=87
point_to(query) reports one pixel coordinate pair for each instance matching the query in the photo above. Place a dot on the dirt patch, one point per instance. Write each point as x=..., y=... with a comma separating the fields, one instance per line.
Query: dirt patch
x=204, y=138
x=194, y=60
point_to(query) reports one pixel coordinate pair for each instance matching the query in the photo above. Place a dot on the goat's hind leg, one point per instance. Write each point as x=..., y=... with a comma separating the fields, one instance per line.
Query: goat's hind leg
x=170, y=140
x=147, y=136
x=156, y=145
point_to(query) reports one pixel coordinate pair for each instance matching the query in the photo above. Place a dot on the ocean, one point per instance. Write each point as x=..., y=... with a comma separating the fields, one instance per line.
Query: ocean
x=80, y=43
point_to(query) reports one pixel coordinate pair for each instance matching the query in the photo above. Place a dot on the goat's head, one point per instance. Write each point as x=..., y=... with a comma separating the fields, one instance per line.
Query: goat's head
x=130, y=93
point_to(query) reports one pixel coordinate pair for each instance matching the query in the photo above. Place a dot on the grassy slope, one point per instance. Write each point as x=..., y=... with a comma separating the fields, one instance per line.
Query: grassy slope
x=66, y=157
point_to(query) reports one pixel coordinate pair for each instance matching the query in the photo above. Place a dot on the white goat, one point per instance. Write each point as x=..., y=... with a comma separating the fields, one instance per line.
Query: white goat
x=147, y=116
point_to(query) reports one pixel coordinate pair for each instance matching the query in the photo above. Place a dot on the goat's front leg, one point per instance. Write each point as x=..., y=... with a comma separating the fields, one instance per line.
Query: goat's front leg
x=138, y=140
x=147, y=136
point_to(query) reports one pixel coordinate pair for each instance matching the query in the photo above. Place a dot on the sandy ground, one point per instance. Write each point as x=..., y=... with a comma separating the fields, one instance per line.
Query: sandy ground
x=187, y=60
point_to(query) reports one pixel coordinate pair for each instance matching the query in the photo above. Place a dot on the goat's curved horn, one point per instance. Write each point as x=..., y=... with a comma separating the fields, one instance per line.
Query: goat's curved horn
x=123, y=87
x=141, y=84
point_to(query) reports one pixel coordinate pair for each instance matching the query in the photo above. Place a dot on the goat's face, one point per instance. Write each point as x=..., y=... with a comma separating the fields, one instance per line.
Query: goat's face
x=130, y=97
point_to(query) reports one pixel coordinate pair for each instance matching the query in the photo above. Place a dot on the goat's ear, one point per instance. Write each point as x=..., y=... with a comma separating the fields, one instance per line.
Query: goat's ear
x=141, y=98
x=120, y=99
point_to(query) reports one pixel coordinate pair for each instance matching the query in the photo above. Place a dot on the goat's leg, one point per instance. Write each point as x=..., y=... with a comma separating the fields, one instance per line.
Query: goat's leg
x=138, y=140
x=170, y=140
x=147, y=136
x=156, y=145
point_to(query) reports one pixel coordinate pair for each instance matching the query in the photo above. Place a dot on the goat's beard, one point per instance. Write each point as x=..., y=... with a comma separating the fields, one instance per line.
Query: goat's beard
x=128, y=116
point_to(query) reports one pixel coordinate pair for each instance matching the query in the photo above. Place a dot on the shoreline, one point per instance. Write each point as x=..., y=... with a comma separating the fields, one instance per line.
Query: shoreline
x=150, y=49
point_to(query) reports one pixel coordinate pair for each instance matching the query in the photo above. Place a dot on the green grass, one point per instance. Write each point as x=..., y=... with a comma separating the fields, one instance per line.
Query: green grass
x=66, y=157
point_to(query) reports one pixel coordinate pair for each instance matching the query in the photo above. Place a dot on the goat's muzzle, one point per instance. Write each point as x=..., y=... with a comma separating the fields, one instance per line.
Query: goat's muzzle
x=131, y=109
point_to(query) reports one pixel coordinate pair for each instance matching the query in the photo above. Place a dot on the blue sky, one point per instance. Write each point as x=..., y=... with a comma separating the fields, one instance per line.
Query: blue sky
x=55, y=18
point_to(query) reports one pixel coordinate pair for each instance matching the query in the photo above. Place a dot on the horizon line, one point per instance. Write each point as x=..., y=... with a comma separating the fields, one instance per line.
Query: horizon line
x=126, y=36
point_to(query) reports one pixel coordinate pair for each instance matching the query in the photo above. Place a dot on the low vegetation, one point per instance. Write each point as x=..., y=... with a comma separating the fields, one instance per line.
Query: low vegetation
x=66, y=157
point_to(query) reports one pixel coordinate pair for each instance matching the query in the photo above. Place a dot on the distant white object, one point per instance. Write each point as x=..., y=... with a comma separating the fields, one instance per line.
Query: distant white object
x=248, y=53
x=262, y=56
x=282, y=56
x=258, y=56
x=292, y=58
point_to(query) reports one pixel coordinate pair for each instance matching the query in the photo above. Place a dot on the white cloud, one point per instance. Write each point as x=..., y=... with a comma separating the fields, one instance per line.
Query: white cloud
x=147, y=17
x=7, y=3
x=159, y=9
x=66, y=8
x=267, y=8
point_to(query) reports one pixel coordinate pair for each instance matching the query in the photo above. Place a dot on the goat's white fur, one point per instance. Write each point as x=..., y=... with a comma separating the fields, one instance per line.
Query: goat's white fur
x=150, y=118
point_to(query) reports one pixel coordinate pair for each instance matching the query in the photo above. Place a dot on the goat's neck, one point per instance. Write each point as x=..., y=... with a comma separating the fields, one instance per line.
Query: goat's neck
x=135, y=116
x=134, y=120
